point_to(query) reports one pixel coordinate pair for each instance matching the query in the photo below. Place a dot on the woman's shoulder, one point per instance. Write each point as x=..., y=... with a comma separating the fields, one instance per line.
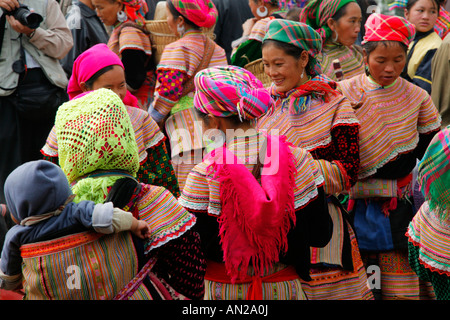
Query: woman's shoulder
x=259, y=29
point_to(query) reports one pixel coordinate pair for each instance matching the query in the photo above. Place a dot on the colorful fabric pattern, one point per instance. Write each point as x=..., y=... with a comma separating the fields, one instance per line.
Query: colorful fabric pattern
x=380, y=27
x=124, y=37
x=297, y=100
x=442, y=25
x=202, y=13
x=105, y=261
x=298, y=34
x=391, y=119
x=202, y=193
x=440, y=282
x=136, y=10
x=434, y=173
x=256, y=217
x=398, y=280
x=332, y=283
x=155, y=164
x=350, y=58
x=182, y=56
x=431, y=234
x=317, y=12
x=230, y=91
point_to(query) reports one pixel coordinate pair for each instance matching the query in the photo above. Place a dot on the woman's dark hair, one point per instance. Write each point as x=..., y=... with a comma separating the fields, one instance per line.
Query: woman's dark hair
x=290, y=50
x=341, y=12
x=372, y=45
x=234, y=120
x=411, y=3
x=90, y=82
x=176, y=14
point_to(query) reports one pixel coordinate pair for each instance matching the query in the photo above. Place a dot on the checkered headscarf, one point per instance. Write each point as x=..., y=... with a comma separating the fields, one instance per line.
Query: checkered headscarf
x=298, y=34
x=434, y=172
x=202, y=13
x=380, y=27
x=229, y=91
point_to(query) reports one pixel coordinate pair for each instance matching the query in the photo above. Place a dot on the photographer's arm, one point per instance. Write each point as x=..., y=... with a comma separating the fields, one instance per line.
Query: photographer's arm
x=55, y=41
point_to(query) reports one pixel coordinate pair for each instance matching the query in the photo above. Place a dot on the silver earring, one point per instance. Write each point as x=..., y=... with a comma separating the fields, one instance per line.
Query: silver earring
x=303, y=74
x=181, y=29
x=335, y=39
x=262, y=13
x=121, y=16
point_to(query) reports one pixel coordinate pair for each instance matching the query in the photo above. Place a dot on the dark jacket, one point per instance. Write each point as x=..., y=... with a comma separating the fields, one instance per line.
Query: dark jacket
x=87, y=31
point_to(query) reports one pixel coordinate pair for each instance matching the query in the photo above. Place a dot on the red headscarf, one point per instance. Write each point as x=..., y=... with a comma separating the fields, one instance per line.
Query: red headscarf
x=380, y=27
x=88, y=63
x=201, y=12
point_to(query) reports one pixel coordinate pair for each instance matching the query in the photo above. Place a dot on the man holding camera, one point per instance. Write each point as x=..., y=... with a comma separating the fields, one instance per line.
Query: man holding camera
x=33, y=37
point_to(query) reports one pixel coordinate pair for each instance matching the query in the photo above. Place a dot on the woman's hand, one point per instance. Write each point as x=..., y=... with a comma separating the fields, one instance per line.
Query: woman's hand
x=140, y=228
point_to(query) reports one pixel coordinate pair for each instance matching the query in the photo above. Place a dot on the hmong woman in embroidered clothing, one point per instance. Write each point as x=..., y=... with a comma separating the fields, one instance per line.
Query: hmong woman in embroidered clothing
x=314, y=116
x=259, y=200
x=442, y=25
x=248, y=48
x=423, y=15
x=99, y=155
x=429, y=231
x=98, y=67
x=172, y=107
x=130, y=41
x=42, y=208
x=339, y=23
x=398, y=120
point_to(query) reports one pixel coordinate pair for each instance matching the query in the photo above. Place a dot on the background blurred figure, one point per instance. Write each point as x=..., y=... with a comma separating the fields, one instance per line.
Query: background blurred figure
x=172, y=107
x=232, y=14
x=32, y=84
x=440, y=73
x=339, y=24
x=130, y=41
x=87, y=31
x=423, y=15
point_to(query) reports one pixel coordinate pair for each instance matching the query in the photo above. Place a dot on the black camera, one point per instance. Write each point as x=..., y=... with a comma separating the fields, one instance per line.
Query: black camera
x=23, y=14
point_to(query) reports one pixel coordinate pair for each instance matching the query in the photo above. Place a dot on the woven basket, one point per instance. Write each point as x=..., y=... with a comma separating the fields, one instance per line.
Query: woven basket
x=161, y=36
x=257, y=68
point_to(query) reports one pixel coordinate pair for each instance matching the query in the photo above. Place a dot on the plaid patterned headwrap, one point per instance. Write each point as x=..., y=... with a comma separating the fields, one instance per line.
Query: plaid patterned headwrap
x=136, y=10
x=434, y=173
x=298, y=34
x=317, y=12
x=380, y=27
x=201, y=12
x=229, y=91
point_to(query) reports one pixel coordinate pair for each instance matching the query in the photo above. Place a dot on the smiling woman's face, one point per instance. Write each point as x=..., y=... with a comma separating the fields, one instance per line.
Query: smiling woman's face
x=284, y=70
x=386, y=62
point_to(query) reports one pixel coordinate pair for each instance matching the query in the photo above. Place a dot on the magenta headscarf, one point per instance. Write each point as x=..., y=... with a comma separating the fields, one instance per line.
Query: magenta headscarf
x=88, y=63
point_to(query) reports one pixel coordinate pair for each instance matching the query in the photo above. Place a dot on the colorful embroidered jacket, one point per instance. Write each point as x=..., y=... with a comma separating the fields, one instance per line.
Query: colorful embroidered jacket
x=350, y=58
x=397, y=122
x=156, y=167
x=201, y=195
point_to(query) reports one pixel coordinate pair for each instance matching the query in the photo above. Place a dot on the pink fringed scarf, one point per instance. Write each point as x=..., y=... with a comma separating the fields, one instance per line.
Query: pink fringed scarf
x=255, y=219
